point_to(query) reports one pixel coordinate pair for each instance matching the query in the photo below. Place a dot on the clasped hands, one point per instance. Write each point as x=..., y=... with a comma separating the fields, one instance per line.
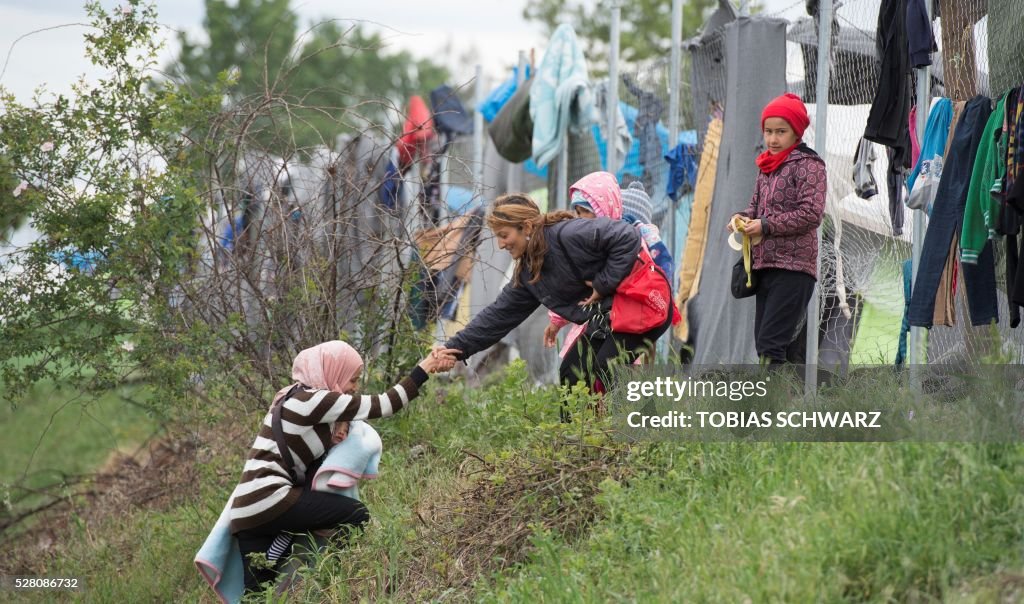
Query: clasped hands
x=440, y=359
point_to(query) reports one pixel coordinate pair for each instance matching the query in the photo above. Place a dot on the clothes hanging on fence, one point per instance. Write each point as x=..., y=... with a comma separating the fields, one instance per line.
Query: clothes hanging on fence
x=682, y=170
x=649, y=111
x=512, y=128
x=894, y=180
x=450, y=116
x=901, y=347
x=915, y=147
x=429, y=198
x=417, y=132
x=623, y=138
x=863, y=173
x=696, y=238
x=920, y=37
x=947, y=216
x=1012, y=268
x=981, y=211
x=726, y=334
x=978, y=227
x=390, y=192
x=945, y=298
x=888, y=119
x=1010, y=218
x=936, y=133
x=1016, y=200
x=707, y=57
x=494, y=102
x=561, y=101
x=583, y=159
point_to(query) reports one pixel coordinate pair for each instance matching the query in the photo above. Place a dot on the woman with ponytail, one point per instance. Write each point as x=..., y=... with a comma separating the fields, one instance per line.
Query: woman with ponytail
x=570, y=266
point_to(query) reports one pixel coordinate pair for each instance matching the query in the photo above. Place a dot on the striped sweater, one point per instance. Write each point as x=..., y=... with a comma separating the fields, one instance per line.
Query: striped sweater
x=266, y=490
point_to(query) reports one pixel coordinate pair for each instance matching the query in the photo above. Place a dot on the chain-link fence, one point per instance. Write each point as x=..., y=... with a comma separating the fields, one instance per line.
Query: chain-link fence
x=868, y=234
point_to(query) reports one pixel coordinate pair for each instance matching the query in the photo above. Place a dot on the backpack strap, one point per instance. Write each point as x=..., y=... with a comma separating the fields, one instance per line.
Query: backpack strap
x=278, y=429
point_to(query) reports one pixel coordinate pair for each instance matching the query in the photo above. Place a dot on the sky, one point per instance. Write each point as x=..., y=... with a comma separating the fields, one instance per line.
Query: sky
x=490, y=31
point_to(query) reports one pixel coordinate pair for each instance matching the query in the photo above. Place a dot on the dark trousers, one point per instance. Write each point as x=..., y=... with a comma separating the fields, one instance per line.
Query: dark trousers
x=311, y=512
x=590, y=358
x=780, y=313
x=945, y=223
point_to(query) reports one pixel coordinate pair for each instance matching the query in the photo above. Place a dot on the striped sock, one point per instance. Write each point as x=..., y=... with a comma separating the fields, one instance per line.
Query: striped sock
x=279, y=547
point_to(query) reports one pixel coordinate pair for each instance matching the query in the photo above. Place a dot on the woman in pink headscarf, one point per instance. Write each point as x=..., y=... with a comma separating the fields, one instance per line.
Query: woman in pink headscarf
x=270, y=498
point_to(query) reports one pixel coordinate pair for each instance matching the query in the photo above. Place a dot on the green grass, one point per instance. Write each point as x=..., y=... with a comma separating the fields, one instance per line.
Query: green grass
x=54, y=436
x=791, y=522
x=58, y=430
x=764, y=522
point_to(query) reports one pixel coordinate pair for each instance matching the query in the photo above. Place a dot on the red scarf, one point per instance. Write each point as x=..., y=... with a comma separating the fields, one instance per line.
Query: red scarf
x=770, y=163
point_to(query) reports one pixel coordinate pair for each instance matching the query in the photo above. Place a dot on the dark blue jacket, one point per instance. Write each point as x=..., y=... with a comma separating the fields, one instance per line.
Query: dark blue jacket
x=920, y=37
x=604, y=251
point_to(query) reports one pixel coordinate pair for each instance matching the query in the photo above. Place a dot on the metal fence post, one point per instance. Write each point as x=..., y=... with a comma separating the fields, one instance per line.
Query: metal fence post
x=923, y=107
x=820, y=143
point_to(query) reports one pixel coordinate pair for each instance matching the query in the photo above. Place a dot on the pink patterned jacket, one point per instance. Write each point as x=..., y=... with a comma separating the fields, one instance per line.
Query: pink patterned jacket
x=791, y=201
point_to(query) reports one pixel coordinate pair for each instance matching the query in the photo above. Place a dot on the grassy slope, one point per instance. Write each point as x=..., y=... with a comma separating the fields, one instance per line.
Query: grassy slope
x=52, y=429
x=684, y=522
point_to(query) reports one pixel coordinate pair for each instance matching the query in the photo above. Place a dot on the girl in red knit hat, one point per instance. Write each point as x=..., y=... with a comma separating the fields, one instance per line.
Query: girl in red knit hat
x=784, y=214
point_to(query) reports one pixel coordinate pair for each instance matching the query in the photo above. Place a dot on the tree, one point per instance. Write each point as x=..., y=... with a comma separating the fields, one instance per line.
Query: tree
x=13, y=211
x=127, y=181
x=310, y=78
x=646, y=25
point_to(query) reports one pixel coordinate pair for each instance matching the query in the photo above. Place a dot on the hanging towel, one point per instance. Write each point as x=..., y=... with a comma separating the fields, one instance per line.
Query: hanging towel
x=561, y=99
x=219, y=560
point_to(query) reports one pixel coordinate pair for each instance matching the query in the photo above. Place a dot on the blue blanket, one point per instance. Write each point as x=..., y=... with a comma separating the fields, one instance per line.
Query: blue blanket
x=219, y=560
x=561, y=98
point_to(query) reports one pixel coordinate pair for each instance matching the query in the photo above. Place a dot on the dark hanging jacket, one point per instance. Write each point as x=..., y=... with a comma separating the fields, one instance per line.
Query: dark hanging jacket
x=604, y=251
x=888, y=119
x=920, y=37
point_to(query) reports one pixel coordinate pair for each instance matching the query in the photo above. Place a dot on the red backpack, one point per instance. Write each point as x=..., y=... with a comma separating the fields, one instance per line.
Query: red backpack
x=643, y=299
